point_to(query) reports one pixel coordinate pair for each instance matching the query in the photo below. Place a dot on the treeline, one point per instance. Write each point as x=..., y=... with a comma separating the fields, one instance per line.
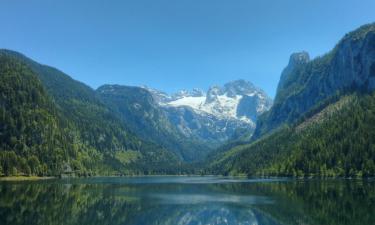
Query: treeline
x=13, y=165
x=31, y=141
x=341, y=143
x=51, y=124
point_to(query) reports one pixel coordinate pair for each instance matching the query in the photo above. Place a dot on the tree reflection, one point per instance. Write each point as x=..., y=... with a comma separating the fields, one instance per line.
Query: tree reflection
x=292, y=202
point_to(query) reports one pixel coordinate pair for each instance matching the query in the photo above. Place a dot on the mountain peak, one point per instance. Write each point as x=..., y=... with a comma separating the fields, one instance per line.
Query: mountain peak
x=296, y=60
x=196, y=92
x=239, y=87
x=117, y=88
x=349, y=67
x=299, y=58
x=239, y=82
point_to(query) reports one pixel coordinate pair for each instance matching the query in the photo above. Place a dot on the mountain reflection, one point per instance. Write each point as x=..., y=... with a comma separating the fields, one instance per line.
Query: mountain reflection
x=120, y=201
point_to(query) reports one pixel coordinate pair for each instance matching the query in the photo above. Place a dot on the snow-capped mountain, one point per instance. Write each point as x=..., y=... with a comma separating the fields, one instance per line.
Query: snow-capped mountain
x=217, y=114
x=227, y=102
x=190, y=123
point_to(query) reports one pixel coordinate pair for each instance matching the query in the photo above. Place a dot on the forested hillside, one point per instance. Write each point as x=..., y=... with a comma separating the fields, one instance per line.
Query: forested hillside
x=321, y=123
x=52, y=124
x=338, y=141
x=137, y=109
x=31, y=138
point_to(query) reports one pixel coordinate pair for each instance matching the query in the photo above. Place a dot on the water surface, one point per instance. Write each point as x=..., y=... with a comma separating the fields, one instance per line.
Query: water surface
x=187, y=200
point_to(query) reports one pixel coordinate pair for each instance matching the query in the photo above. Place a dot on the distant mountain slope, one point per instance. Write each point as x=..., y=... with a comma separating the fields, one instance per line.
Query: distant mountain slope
x=106, y=145
x=321, y=123
x=304, y=82
x=139, y=111
x=238, y=99
x=215, y=117
x=189, y=123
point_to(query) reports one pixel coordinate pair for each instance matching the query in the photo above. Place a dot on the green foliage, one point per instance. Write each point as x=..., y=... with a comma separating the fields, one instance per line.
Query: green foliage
x=126, y=157
x=99, y=201
x=50, y=122
x=29, y=130
x=315, y=142
x=317, y=202
x=340, y=142
x=342, y=145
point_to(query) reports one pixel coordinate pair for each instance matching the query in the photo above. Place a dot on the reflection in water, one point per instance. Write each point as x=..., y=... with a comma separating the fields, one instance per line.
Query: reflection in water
x=215, y=215
x=187, y=200
x=212, y=198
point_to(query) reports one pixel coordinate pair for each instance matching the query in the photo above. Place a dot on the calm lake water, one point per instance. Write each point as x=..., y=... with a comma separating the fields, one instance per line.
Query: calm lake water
x=187, y=200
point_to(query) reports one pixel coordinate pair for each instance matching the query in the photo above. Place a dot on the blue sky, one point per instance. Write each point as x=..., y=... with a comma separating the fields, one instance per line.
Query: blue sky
x=175, y=44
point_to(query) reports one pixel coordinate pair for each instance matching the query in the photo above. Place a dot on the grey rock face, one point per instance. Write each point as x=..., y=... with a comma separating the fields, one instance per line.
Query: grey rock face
x=239, y=87
x=225, y=111
x=296, y=60
x=354, y=62
x=212, y=94
x=350, y=66
x=205, y=127
x=222, y=112
x=185, y=93
x=197, y=92
x=187, y=130
x=243, y=108
x=159, y=96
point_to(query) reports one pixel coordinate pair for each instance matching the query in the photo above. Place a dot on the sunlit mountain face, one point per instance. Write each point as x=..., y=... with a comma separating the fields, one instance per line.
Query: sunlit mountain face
x=218, y=115
x=189, y=123
x=223, y=102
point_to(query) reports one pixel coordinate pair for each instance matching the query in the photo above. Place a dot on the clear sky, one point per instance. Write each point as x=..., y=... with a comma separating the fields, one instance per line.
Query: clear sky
x=176, y=44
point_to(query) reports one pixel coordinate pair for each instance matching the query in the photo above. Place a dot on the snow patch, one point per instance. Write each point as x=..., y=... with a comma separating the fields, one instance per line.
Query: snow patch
x=193, y=102
x=222, y=107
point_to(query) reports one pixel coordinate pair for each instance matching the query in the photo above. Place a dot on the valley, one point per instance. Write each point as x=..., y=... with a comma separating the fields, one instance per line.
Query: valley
x=52, y=124
x=172, y=112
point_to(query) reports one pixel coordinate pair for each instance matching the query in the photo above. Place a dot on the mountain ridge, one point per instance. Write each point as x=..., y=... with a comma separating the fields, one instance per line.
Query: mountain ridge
x=321, y=121
x=199, y=98
x=218, y=115
x=348, y=66
x=89, y=138
x=189, y=131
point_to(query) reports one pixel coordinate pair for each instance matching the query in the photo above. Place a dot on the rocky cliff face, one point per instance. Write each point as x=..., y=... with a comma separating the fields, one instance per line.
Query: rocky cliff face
x=296, y=61
x=304, y=83
x=218, y=115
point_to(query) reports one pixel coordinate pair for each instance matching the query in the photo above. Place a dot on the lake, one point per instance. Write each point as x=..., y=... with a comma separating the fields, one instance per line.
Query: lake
x=187, y=200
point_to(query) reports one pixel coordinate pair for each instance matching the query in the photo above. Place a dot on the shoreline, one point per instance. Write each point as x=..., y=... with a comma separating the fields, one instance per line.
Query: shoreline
x=37, y=178
x=25, y=178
